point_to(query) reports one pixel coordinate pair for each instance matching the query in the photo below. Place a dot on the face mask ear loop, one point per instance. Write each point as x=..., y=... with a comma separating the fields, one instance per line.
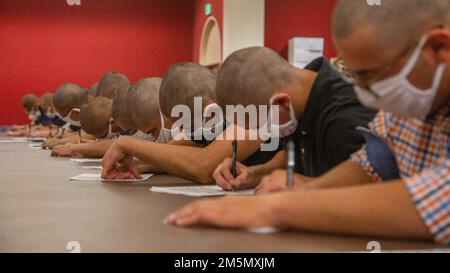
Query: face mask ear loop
x=414, y=58
x=292, y=112
x=162, y=120
x=439, y=75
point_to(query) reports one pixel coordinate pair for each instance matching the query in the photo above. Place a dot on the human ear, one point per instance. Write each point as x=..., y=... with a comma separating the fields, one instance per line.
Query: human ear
x=439, y=42
x=282, y=99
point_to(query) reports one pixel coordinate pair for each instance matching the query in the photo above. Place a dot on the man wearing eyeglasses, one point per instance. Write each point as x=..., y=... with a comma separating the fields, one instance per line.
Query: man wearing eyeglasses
x=399, y=53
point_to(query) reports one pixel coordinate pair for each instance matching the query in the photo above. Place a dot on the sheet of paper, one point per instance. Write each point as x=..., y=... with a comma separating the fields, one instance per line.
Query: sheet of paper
x=93, y=168
x=36, y=139
x=97, y=177
x=86, y=160
x=35, y=146
x=264, y=230
x=199, y=191
x=13, y=140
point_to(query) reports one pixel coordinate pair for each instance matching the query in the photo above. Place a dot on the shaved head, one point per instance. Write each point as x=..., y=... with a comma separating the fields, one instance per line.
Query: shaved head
x=251, y=76
x=182, y=83
x=45, y=101
x=93, y=90
x=109, y=83
x=143, y=103
x=95, y=117
x=405, y=19
x=29, y=101
x=69, y=96
x=119, y=108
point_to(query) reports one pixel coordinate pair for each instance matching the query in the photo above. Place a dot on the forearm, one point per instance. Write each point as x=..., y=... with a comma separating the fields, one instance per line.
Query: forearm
x=147, y=168
x=92, y=150
x=192, y=163
x=183, y=161
x=69, y=139
x=345, y=175
x=258, y=171
x=384, y=210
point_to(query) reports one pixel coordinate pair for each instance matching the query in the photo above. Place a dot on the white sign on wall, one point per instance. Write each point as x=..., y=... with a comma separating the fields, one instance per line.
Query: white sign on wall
x=302, y=51
x=73, y=2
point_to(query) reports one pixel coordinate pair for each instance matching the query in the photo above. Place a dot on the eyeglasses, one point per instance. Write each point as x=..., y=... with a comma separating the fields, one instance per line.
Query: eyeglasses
x=388, y=69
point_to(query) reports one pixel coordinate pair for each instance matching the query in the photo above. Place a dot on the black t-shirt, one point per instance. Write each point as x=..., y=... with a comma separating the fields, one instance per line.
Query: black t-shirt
x=327, y=133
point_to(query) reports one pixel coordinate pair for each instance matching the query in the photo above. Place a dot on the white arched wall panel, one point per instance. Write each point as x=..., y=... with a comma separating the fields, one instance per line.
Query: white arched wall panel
x=243, y=24
x=211, y=43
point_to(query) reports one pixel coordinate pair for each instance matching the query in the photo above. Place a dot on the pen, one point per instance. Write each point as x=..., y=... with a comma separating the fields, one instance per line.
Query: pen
x=81, y=138
x=62, y=133
x=290, y=163
x=233, y=166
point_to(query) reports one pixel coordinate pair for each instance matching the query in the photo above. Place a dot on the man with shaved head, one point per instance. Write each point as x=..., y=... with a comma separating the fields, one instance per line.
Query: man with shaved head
x=109, y=83
x=47, y=118
x=143, y=110
x=119, y=110
x=136, y=109
x=399, y=53
x=67, y=102
x=318, y=111
x=96, y=120
x=29, y=105
x=28, y=102
x=45, y=104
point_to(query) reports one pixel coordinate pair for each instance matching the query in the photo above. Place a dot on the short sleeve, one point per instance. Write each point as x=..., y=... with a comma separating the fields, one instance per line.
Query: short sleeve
x=430, y=192
x=361, y=159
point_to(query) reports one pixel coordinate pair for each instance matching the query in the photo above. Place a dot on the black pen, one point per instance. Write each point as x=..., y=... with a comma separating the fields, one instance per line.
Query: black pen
x=233, y=164
x=62, y=133
x=290, y=163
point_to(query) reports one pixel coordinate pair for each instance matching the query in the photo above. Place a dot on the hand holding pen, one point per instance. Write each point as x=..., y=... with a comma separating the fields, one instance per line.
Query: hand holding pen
x=233, y=165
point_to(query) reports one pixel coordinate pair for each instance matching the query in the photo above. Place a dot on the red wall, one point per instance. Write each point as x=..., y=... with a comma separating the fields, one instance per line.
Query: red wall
x=286, y=19
x=200, y=19
x=45, y=43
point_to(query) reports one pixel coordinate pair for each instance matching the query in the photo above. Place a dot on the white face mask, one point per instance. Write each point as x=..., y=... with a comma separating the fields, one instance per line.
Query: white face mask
x=34, y=115
x=110, y=134
x=166, y=135
x=50, y=114
x=69, y=120
x=215, y=126
x=282, y=130
x=144, y=136
x=398, y=96
x=212, y=128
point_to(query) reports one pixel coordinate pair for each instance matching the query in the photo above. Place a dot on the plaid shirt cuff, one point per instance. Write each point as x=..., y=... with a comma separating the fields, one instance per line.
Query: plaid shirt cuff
x=430, y=191
x=361, y=159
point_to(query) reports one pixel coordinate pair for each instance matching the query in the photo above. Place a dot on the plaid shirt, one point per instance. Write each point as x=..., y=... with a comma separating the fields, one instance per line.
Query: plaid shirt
x=422, y=152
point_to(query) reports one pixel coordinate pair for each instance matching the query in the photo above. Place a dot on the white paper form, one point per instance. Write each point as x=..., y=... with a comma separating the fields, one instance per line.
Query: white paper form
x=99, y=168
x=97, y=177
x=35, y=146
x=36, y=139
x=199, y=191
x=13, y=140
x=86, y=160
